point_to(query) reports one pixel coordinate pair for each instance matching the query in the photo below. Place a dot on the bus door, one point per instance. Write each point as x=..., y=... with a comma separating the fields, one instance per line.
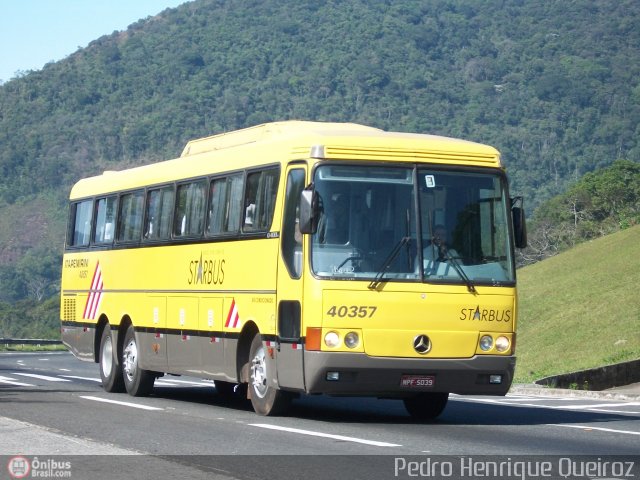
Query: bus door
x=290, y=264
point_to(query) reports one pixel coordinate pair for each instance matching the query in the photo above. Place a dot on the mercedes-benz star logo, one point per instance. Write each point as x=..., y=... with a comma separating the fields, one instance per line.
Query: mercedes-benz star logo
x=422, y=344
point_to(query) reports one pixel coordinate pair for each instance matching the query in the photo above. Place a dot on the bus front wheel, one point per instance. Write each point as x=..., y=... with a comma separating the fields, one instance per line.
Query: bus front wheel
x=137, y=381
x=426, y=406
x=110, y=370
x=265, y=399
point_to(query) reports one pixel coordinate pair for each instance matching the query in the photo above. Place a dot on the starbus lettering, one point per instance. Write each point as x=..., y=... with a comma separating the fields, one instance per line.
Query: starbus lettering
x=485, y=314
x=206, y=271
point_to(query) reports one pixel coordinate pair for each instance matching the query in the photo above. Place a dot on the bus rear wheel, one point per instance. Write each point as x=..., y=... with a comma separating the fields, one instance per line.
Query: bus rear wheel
x=110, y=369
x=137, y=381
x=426, y=406
x=265, y=399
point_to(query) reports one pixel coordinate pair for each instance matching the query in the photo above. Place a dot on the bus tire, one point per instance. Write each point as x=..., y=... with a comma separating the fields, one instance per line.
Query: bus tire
x=110, y=369
x=137, y=381
x=265, y=399
x=426, y=406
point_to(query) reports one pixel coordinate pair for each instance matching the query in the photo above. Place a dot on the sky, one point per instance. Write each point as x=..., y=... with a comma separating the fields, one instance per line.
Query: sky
x=36, y=32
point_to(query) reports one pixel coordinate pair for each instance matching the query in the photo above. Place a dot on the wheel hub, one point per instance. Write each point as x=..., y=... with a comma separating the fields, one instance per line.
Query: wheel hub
x=259, y=373
x=130, y=360
x=106, y=359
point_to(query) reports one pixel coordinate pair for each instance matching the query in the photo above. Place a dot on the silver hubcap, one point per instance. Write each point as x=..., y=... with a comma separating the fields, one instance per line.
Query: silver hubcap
x=259, y=373
x=106, y=358
x=130, y=360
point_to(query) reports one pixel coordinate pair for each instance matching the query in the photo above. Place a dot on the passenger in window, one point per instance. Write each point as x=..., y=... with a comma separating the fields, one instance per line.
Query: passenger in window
x=250, y=212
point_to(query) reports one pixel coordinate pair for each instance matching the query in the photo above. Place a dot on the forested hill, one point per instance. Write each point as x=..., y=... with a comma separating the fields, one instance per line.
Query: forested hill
x=554, y=84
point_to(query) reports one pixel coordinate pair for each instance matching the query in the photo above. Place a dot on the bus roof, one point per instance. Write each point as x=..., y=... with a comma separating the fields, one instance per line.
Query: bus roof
x=289, y=140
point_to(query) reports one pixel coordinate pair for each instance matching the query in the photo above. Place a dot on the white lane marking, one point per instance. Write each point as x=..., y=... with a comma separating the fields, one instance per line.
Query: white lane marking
x=521, y=399
x=325, y=435
x=42, y=377
x=44, y=359
x=554, y=407
x=580, y=407
x=64, y=369
x=587, y=427
x=82, y=378
x=125, y=404
x=11, y=381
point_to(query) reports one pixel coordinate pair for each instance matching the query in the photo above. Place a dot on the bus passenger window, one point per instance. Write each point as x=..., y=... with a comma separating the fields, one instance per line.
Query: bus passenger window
x=105, y=220
x=81, y=224
x=225, y=205
x=130, y=216
x=158, y=215
x=260, y=199
x=190, y=206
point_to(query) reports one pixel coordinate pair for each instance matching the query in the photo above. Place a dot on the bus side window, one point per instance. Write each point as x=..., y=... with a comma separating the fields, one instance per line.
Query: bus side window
x=190, y=208
x=105, y=220
x=158, y=214
x=260, y=199
x=225, y=205
x=130, y=216
x=81, y=225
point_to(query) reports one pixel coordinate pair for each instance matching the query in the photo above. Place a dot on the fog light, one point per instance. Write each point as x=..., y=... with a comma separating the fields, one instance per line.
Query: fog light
x=495, y=379
x=486, y=342
x=332, y=339
x=502, y=344
x=333, y=376
x=351, y=340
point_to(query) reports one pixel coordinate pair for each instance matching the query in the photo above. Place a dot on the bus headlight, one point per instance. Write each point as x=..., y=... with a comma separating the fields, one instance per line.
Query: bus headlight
x=502, y=344
x=486, y=342
x=332, y=339
x=351, y=340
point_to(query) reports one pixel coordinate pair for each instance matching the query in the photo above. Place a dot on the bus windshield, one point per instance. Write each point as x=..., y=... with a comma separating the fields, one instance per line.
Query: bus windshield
x=412, y=224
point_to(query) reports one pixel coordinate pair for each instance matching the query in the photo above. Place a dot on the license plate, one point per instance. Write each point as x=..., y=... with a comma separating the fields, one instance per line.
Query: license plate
x=417, y=381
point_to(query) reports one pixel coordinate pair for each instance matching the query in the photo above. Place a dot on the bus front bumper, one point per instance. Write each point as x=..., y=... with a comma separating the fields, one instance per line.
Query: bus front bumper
x=336, y=373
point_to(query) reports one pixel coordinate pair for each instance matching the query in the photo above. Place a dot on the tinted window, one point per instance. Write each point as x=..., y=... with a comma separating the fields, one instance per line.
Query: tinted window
x=190, y=207
x=259, y=200
x=105, y=219
x=130, y=218
x=158, y=215
x=81, y=223
x=225, y=205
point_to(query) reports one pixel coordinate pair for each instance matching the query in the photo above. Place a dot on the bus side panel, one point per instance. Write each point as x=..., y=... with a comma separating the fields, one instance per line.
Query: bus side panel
x=153, y=340
x=211, y=344
x=182, y=320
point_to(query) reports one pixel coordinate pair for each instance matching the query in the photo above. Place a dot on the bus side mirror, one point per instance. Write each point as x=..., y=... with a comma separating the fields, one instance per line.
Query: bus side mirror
x=519, y=223
x=309, y=211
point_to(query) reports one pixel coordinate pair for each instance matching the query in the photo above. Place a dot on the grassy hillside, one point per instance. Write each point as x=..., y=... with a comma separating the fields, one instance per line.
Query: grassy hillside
x=580, y=309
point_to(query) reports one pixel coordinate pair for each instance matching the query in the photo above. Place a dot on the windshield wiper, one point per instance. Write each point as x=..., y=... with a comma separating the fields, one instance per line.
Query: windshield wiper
x=388, y=261
x=460, y=271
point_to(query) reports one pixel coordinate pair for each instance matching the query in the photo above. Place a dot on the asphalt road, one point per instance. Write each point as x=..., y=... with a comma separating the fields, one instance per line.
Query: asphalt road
x=53, y=405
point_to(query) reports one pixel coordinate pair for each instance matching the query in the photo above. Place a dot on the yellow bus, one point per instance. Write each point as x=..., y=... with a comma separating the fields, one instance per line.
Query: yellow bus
x=300, y=258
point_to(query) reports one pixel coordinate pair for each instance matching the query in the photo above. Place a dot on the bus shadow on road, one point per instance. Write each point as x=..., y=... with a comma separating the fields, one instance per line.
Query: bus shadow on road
x=387, y=411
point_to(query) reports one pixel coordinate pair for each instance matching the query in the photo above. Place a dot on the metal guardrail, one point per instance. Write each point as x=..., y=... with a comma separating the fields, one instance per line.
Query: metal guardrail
x=29, y=341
